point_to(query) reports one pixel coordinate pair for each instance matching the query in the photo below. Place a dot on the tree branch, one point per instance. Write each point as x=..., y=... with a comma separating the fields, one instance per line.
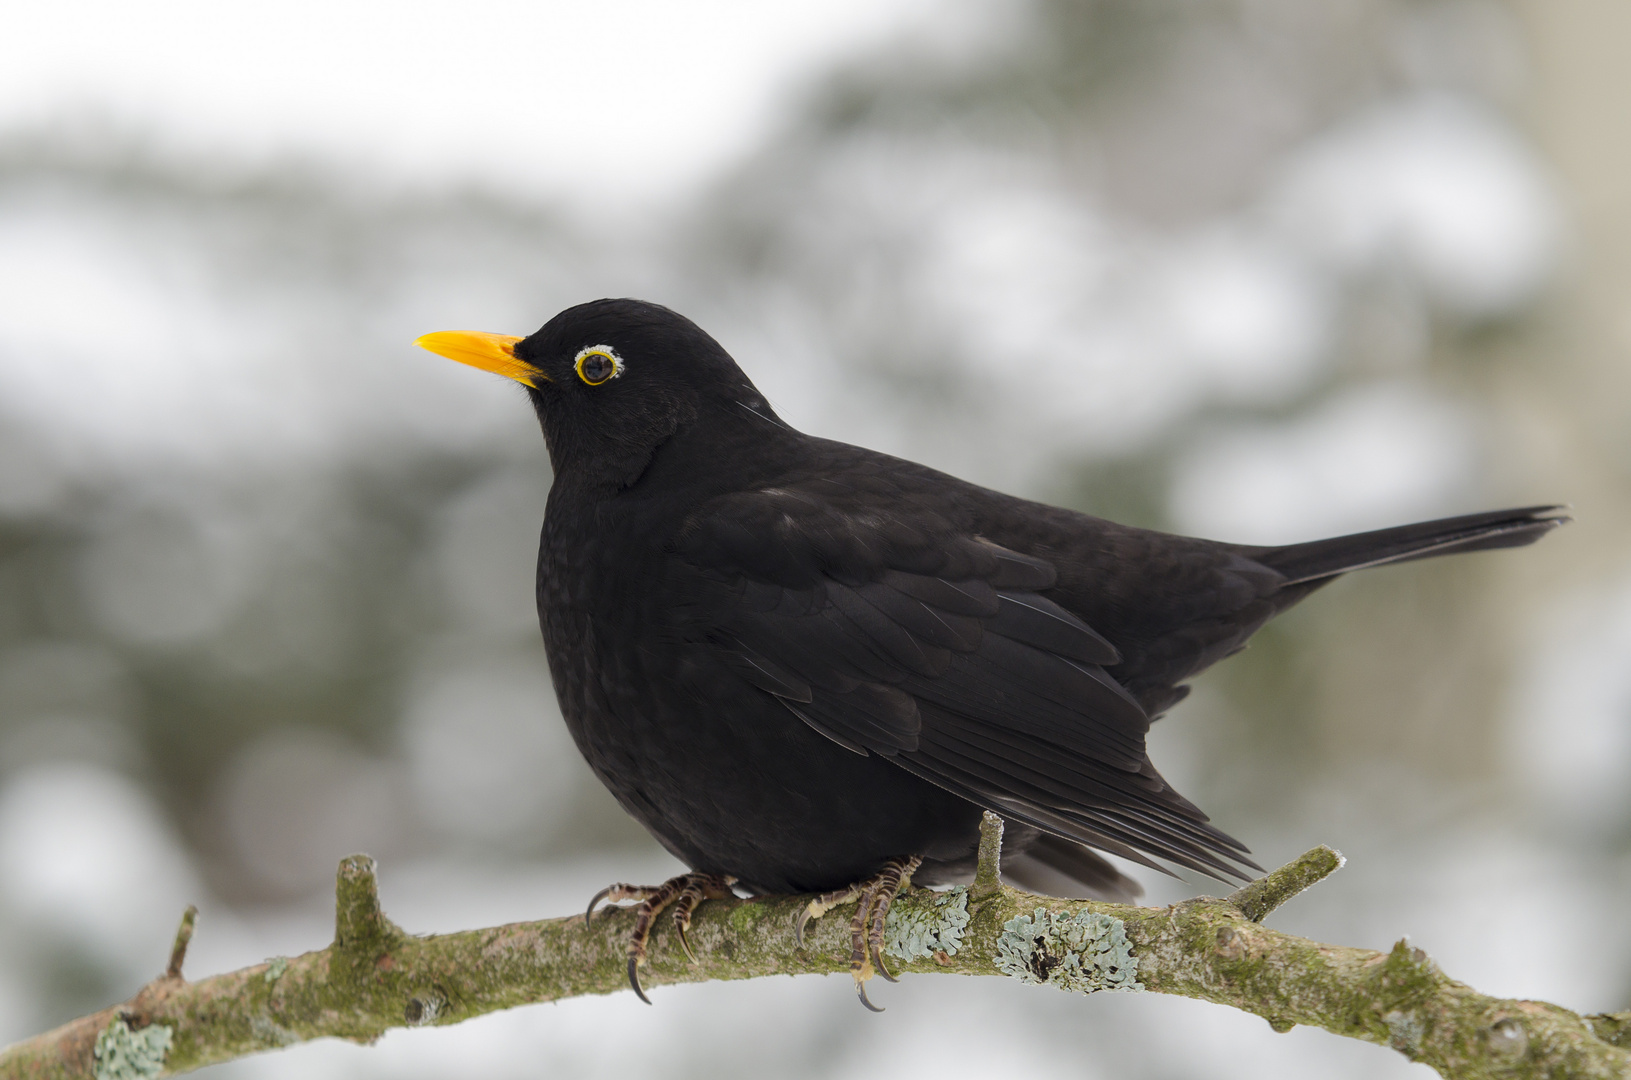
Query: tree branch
x=184, y=937
x=1259, y=898
x=375, y=976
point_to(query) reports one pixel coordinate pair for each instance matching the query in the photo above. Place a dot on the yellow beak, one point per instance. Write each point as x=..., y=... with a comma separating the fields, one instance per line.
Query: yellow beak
x=490, y=352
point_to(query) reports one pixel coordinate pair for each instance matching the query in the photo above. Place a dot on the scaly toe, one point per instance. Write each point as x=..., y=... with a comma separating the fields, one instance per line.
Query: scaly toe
x=868, y=923
x=819, y=907
x=619, y=892
x=895, y=877
x=860, y=962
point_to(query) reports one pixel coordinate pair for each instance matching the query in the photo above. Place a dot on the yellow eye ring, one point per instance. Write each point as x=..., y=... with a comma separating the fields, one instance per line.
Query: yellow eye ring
x=598, y=364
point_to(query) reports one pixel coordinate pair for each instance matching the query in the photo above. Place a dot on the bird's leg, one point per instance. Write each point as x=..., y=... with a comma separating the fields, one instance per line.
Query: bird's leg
x=684, y=893
x=895, y=877
x=866, y=927
x=699, y=887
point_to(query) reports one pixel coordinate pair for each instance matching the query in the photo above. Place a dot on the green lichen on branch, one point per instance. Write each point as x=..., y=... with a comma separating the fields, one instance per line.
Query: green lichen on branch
x=1083, y=951
x=375, y=977
x=919, y=932
x=123, y=1054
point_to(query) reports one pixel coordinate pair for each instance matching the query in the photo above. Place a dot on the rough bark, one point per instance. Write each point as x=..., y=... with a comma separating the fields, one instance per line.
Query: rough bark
x=374, y=977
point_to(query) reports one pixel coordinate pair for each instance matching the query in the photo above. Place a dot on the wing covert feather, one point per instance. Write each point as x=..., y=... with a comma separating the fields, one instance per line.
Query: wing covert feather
x=939, y=651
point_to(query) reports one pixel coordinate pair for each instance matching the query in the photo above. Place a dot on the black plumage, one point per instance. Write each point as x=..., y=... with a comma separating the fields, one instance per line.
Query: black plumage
x=793, y=659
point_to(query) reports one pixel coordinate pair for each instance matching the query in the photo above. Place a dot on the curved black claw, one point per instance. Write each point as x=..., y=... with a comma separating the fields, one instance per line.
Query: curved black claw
x=594, y=901
x=679, y=928
x=860, y=992
x=634, y=979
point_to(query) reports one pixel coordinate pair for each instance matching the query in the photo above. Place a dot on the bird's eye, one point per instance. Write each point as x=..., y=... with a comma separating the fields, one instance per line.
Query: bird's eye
x=598, y=364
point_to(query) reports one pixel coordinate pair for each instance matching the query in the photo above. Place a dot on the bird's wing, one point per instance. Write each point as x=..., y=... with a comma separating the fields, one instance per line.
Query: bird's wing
x=898, y=635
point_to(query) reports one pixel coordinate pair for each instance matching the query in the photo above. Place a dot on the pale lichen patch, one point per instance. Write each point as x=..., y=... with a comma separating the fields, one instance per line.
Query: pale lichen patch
x=917, y=933
x=275, y=968
x=1084, y=952
x=123, y=1054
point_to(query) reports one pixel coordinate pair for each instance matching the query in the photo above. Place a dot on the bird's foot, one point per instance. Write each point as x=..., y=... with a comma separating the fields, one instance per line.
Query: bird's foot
x=683, y=893
x=866, y=927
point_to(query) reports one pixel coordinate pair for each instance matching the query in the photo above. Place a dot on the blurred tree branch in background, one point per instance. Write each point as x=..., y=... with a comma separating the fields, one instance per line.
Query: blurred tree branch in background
x=375, y=977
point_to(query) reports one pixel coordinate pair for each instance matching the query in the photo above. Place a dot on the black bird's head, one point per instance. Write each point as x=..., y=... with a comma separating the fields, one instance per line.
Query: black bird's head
x=614, y=380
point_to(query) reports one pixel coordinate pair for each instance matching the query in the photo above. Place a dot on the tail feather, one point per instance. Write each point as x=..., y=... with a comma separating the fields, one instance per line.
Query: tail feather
x=1053, y=866
x=1321, y=559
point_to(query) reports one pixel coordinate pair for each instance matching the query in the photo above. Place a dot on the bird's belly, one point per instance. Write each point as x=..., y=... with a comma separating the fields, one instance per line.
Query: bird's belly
x=732, y=782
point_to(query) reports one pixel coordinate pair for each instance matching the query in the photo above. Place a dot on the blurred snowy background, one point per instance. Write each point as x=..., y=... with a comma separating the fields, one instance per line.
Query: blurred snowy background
x=1255, y=269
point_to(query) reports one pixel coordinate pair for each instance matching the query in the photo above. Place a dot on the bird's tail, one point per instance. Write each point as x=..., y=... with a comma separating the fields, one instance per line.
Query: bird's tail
x=1320, y=559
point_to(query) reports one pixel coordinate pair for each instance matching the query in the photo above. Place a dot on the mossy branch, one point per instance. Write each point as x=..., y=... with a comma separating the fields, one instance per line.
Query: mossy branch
x=1258, y=899
x=374, y=976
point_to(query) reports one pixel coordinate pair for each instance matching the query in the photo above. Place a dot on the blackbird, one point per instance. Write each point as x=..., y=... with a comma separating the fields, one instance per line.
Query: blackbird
x=808, y=667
